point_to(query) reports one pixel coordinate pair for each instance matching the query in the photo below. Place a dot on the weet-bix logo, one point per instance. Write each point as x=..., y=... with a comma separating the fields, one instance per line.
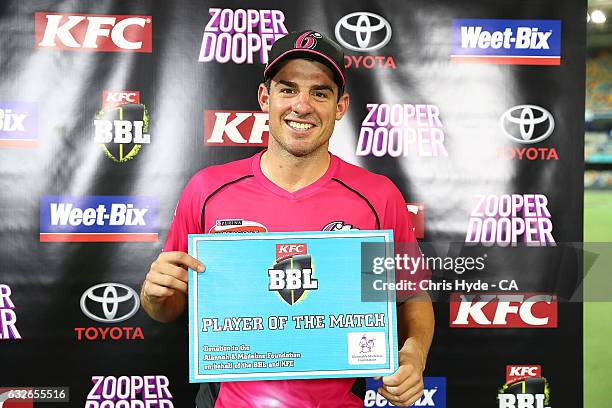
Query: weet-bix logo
x=434, y=394
x=98, y=219
x=514, y=42
x=18, y=124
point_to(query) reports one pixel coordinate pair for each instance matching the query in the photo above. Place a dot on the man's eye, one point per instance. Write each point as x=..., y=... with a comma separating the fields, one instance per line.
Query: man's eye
x=320, y=94
x=286, y=90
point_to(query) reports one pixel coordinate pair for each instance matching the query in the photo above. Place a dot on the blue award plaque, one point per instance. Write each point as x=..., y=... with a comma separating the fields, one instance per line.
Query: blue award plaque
x=286, y=306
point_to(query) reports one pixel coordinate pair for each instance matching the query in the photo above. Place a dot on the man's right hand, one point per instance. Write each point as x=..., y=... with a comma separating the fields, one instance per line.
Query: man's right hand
x=164, y=290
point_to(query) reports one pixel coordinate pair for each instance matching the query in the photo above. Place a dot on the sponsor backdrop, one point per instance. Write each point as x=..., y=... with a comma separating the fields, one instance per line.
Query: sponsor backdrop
x=473, y=108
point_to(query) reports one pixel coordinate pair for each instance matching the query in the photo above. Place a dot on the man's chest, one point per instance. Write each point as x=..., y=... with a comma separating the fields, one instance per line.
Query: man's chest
x=264, y=212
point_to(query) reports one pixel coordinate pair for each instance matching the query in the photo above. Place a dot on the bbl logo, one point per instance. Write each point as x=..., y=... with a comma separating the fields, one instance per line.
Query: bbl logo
x=291, y=274
x=122, y=126
x=524, y=387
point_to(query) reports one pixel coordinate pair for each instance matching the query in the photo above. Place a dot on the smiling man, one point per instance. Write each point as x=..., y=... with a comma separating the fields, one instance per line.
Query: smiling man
x=294, y=185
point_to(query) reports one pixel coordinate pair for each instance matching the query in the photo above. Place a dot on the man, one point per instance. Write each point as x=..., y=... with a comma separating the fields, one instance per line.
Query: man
x=295, y=185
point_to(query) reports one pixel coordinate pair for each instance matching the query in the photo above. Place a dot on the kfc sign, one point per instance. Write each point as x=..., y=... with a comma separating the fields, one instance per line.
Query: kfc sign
x=520, y=372
x=503, y=311
x=288, y=250
x=236, y=128
x=93, y=32
x=111, y=99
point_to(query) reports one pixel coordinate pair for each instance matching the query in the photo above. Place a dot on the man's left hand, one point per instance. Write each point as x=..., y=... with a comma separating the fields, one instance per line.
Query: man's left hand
x=405, y=386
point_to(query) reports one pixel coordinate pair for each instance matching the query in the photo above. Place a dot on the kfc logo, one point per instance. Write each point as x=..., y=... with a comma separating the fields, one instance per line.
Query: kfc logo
x=93, y=32
x=287, y=250
x=503, y=311
x=110, y=99
x=236, y=128
x=519, y=372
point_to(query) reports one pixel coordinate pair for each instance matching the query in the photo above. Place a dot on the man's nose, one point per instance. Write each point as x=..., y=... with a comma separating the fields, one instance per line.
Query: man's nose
x=302, y=104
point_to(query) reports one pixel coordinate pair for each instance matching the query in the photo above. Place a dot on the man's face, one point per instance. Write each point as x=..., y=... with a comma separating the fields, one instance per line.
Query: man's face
x=303, y=106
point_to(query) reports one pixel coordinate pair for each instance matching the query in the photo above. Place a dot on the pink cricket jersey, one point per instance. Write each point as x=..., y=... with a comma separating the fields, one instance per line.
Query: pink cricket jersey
x=237, y=197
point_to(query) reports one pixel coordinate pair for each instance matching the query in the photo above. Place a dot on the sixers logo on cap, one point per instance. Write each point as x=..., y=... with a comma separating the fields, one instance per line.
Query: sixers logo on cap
x=308, y=44
x=307, y=40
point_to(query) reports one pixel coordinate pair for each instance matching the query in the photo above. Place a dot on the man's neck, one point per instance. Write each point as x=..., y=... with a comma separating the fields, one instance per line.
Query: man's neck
x=294, y=173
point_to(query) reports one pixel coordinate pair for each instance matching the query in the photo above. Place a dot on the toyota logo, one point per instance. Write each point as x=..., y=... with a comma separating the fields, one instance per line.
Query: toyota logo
x=520, y=123
x=109, y=296
x=359, y=30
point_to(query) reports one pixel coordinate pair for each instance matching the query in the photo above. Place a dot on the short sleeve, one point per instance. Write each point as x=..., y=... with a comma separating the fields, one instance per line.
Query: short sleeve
x=186, y=216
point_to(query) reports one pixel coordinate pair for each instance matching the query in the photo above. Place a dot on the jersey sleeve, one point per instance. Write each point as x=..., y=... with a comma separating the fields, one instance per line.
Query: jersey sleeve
x=186, y=216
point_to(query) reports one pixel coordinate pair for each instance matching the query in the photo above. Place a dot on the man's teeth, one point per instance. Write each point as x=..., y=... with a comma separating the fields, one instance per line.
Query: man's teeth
x=299, y=126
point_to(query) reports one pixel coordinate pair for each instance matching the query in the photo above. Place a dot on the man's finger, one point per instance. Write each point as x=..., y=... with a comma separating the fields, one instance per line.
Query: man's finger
x=410, y=396
x=405, y=399
x=153, y=290
x=408, y=383
x=395, y=379
x=167, y=281
x=182, y=259
x=171, y=270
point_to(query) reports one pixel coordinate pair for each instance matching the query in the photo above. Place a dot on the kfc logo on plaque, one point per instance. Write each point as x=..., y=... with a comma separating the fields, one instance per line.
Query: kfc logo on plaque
x=291, y=276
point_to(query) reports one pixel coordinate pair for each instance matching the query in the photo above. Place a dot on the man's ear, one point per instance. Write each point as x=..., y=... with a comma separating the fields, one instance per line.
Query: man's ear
x=263, y=97
x=342, y=105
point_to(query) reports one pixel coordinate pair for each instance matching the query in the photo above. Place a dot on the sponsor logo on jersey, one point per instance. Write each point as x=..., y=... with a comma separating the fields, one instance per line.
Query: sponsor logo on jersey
x=434, y=394
x=18, y=124
x=236, y=128
x=93, y=32
x=524, y=388
x=416, y=212
x=109, y=303
x=122, y=126
x=8, y=317
x=242, y=36
x=129, y=391
x=364, y=32
x=401, y=130
x=508, y=219
x=527, y=125
x=229, y=226
x=338, y=226
x=291, y=275
x=515, y=42
x=517, y=310
x=98, y=219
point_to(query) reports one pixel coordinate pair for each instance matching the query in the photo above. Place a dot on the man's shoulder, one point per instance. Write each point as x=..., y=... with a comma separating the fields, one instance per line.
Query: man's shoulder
x=363, y=180
x=210, y=178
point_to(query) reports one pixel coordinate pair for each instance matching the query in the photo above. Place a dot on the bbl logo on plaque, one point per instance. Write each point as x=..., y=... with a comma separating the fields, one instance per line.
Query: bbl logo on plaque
x=291, y=276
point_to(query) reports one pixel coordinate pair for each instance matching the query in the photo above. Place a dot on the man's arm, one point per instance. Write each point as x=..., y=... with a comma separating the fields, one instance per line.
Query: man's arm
x=415, y=321
x=164, y=292
x=415, y=324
